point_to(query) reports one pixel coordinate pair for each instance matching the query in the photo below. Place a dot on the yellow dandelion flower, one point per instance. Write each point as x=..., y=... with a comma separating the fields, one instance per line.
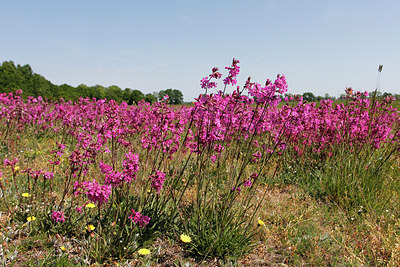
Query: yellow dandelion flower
x=16, y=168
x=90, y=206
x=63, y=248
x=90, y=227
x=144, y=251
x=185, y=238
x=31, y=218
x=26, y=194
x=261, y=222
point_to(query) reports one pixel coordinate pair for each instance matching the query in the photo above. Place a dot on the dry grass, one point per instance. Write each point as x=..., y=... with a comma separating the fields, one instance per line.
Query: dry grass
x=298, y=231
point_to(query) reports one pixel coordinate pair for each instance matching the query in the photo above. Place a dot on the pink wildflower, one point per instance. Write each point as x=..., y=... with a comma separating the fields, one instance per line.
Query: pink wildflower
x=256, y=156
x=237, y=189
x=254, y=176
x=233, y=72
x=138, y=218
x=48, y=175
x=131, y=166
x=10, y=163
x=157, y=180
x=247, y=183
x=94, y=191
x=58, y=216
x=112, y=178
x=79, y=209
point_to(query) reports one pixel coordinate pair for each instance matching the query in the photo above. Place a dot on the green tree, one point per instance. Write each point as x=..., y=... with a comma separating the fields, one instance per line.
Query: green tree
x=308, y=96
x=22, y=77
x=175, y=96
x=114, y=92
x=66, y=91
x=126, y=94
x=10, y=78
x=150, y=98
x=83, y=91
x=98, y=91
x=37, y=85
x=135, y=97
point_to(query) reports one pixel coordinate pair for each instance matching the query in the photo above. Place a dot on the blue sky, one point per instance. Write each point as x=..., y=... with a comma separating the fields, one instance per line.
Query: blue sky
x=321, y=46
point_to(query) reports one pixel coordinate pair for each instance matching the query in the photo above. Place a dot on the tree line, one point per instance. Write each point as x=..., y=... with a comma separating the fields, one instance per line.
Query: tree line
x=310, y=97
x=14, y=77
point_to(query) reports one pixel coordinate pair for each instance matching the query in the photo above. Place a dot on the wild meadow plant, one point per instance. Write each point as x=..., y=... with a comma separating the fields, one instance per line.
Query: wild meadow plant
x=115, y=177
x=122, y=172
x=229, y=158
x=346, y=152
x=100, y=198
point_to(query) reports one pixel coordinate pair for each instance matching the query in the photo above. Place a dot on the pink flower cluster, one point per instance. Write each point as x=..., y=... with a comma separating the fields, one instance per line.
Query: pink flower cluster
x=131, y=166
x=113, y=178
x=269, y=94
x=11, y=163
x=206, y=81
x=319, y=129
x=35, y=174
x=157, y=180
x=94, y=191
x=139, y=219
x=58, y=216
x=234, y=70
x=57, y=154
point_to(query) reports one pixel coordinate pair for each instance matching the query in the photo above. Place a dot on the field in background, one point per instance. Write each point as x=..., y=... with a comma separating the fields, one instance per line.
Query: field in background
x=228, y=180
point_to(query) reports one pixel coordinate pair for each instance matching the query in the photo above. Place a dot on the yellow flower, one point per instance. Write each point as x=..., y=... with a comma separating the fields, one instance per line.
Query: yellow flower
x=26, y=194
x=261, y=222
x=90, y=227
x=144, y=251
x=90, y=206
x=16, y=168
x=63, y=248
x=185, y=238
x=31, y=218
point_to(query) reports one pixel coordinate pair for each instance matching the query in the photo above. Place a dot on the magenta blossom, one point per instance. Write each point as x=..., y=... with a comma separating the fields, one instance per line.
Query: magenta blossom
x=247, y=183
x=58, y=216
x=48, y=175
x=138, y=218
x=131, y=166
x=94, y=191
x=237, y=189
x=234, y=70
x=10, y=163
x=256, y=156
x=157, y=180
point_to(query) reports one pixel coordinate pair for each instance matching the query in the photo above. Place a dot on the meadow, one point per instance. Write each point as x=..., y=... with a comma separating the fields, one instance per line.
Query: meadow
x=240, y=179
